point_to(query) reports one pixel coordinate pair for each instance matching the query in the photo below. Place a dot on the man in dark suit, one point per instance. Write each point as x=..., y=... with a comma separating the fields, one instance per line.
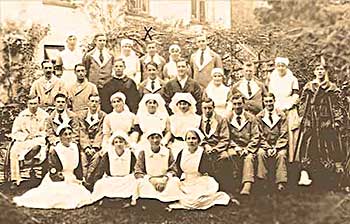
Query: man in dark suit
x=273, y=128
x=245, y=139
x=91, y=121
x=61, y=117
x=99, y=62
x=183, y=84
x=152, y=84
x=216, y=141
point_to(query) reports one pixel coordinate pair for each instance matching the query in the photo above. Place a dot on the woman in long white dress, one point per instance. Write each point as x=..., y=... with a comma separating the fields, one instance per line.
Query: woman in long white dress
x=151, y=115
x=200, y=190
x=61, y=187
x=155, y=171
x=218, y=92
x=284, y=85
x=114, y=170
x=183, y=106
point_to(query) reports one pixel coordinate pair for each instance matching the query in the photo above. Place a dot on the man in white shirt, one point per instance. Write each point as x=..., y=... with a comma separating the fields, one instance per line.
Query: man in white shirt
x=28, y=133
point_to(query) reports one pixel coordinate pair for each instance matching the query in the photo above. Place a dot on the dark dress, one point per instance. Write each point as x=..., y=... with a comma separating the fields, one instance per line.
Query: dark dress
x=124, y=85
x=319, y=142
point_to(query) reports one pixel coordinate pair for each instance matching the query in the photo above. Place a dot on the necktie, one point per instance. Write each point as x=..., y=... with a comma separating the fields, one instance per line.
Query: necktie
x=207, y=126
x=152, y=85
x=270, y=117
x=101, y=57
x=92, y=119
x=202, y=58
x=249, y=89
x=60, y=119
x=239, y=120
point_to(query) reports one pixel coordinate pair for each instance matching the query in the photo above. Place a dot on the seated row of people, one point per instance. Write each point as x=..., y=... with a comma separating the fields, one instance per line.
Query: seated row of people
x=223, y=137
x=155, y=174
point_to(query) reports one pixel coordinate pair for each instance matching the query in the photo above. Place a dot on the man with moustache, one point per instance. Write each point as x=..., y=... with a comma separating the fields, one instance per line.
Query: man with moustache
x=47, y=86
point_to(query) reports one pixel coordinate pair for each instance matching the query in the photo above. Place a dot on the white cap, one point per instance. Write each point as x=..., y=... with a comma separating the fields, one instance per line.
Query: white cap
x=281, y=60
x=119, y=95
x=125, y=42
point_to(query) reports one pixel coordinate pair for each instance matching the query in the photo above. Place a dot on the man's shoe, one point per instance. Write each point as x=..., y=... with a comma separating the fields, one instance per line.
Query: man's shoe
x=281, y=187
x=246, y=188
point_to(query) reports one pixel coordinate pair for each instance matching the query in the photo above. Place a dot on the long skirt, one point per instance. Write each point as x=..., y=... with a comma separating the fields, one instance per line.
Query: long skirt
x=114, y=187
x=68, y=194
x=170, y=193
x=200, y=192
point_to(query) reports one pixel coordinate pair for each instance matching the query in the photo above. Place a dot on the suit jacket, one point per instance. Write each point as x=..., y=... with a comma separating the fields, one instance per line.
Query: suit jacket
x=219, y=134
x=52, y=124
x=55, y=162
x=124, y=85
x=48, y=92
x=100, y=165
x=245, y=136
x=253, y=103
x=90, y=133
x=97, y=72
x=145, y=87
x=191, y=86
x=79, y=94
x=273, y=135
x=202, y=74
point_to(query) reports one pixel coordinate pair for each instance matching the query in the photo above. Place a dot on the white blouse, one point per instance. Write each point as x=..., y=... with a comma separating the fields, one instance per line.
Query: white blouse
x=282, y=88
x=157, y=164
x=119, y=165
x=180, y=123
x=114, y=121
x=190, y=161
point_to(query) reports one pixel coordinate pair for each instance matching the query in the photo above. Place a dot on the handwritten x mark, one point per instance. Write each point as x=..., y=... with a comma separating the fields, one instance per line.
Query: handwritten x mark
x=147, y=33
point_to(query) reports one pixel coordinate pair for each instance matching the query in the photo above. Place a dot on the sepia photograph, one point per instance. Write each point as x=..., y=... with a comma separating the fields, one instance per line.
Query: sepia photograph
x=174, y=111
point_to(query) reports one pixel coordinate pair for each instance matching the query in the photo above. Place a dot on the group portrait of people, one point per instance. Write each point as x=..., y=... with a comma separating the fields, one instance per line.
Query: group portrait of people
x=172, y=130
